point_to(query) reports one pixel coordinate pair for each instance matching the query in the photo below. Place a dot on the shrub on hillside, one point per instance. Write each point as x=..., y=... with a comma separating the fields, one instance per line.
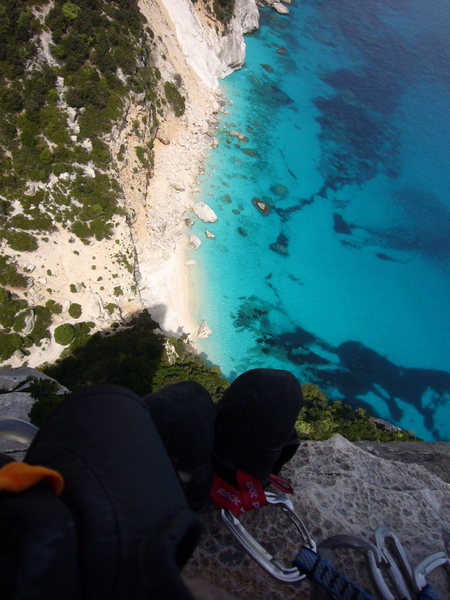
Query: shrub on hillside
x=75, y=310
x=64, y=334
x=9, y=343
x=21, y=241
x=175, y=99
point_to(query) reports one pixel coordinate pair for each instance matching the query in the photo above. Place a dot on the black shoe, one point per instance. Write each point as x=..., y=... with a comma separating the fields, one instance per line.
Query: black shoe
x=254, y=429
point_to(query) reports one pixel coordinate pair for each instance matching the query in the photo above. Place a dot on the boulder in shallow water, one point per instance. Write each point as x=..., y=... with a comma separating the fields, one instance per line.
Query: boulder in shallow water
x=281, y=245
x=262, y=207
x=282, y=9
x=209, y=234
x=194, y=241
x=250, y=152
x=204, y=330
x=241, y=137
x=204, y=212
x=279, y=190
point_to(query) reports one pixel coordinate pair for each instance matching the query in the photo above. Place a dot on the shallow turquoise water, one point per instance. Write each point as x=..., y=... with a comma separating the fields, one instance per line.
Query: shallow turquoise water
x=346, y=281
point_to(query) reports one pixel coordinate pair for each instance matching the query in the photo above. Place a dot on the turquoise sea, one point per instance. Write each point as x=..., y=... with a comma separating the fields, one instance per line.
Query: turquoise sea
x=344, y=106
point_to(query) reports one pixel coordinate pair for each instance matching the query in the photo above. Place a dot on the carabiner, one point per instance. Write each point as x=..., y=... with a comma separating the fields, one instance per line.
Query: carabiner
x=269, y=563
x=12, y=428
x=427, y=565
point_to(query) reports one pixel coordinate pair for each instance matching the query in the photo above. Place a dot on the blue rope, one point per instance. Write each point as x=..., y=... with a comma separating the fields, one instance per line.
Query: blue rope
x=428, y=593
x=322, y=572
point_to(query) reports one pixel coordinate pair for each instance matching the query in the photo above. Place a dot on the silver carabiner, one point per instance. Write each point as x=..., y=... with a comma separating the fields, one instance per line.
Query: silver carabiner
x=269, y=563
x=12, y=428
x=427, y=565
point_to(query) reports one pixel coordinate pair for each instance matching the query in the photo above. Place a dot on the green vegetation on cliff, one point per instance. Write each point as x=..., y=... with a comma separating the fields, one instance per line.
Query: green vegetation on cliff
x=134, y=356
x=220, y=10
x=66, y=76
x=143, y=360
x=321, y=418
x=88, y=44
x=69, y=71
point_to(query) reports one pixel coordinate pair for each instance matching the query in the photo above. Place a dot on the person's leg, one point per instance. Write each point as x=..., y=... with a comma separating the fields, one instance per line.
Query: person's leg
x=135, y=526
x=184, y=416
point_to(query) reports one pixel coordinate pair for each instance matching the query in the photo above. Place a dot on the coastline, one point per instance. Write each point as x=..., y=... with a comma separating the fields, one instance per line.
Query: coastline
x=167, y=281
x=167, y=284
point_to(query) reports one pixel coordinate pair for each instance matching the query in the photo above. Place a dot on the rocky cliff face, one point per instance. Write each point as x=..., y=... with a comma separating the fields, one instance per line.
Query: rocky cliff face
x=94, y=278
x=211, y=52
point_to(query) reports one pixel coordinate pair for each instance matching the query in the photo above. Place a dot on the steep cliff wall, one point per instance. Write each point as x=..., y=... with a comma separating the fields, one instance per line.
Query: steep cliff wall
x=211, y=52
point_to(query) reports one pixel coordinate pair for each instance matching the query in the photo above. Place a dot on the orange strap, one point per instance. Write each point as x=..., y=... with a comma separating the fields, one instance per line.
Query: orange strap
x=18, y=476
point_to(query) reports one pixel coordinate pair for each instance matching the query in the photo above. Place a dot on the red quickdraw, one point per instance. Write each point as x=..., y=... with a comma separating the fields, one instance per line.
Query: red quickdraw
x=249, y=496
x=281, y=484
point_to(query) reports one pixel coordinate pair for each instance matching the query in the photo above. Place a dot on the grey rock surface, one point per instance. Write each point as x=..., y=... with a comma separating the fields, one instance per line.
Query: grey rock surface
x=339, y=488
x=16, y=402
x=433, y=456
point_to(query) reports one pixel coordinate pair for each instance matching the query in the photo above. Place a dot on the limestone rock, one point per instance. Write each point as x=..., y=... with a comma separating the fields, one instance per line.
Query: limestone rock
x=209, y=234
x=204, y=212
x=16, y=402
x=178, y=186
x=262, y=207
x=434, y=456
x=241, y=137
x=30, y=320
x=204, y=330
x=212, y=54
x=189, y=222
x=163, y=138
x=194, y=241
x=338, y=488
x=280, y=8
x=87, y=144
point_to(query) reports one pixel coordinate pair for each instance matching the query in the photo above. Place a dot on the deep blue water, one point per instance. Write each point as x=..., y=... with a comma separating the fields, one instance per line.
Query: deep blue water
x=345, y=282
